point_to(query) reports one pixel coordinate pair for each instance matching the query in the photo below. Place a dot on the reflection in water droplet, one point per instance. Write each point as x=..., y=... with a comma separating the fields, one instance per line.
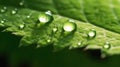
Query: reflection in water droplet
x=45, y=17
x=21, y=26
x=107, y=45
x=69, y=26
x=91, y=34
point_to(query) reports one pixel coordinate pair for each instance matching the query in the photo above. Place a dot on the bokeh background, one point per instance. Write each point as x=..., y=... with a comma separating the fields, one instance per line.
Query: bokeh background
x=13, y=56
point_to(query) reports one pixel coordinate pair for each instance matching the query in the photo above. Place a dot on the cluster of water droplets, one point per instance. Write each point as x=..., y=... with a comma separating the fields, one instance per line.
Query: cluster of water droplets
x=47, y=17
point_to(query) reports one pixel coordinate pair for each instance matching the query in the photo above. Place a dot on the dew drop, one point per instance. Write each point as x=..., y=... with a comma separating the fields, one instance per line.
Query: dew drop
x=21, y=26
x=91, y=34
x=45, y=17
x=107, y=45
x=69, y=26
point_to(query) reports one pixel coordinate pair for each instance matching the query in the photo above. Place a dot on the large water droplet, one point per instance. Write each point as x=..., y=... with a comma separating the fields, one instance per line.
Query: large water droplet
x=14, y=11
x=69, y=26
x=45, y=17
x=21, y=26
x=91, y=33
x=107, y=45
x=4, y=9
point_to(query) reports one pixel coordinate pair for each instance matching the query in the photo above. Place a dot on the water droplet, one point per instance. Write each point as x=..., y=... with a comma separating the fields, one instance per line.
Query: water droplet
x=92, y=33
x=45, y=17
x=21, y=26
x=107, y=45
x=14, y=11
x=22, y=3
x=4, y=9
x=55, y=29
x=69, y=26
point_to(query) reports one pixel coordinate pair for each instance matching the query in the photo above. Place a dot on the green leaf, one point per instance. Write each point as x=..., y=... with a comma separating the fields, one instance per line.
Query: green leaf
x=96, y=16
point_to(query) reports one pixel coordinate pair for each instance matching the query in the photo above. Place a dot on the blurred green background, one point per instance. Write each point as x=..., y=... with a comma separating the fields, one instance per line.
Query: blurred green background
x=13, y=56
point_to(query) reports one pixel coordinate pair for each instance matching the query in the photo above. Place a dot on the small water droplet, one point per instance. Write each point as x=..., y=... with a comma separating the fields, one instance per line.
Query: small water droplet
x=107, y=45
x=55, y=29
x=21, y=26
x=45, y=17
x=91, y=34
x=4, y=9
x=21, y=3
x=14, y=11
x=69, y=26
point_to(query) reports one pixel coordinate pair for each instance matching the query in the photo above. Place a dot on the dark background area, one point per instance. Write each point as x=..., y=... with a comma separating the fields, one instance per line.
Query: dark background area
x=13, y=56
